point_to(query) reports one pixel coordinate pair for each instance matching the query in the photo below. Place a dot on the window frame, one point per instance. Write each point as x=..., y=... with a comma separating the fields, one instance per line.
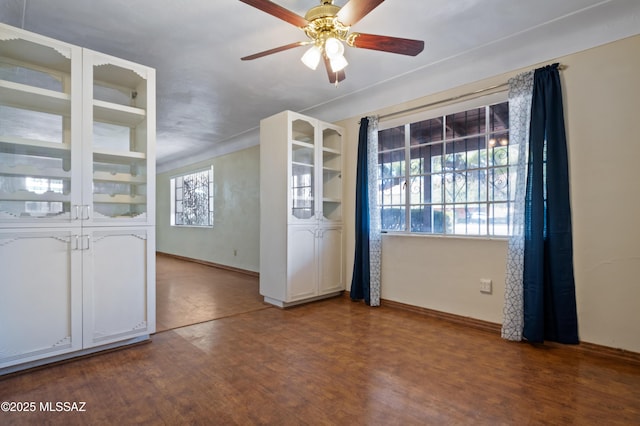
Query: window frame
x=497, y=97
x=210, y=197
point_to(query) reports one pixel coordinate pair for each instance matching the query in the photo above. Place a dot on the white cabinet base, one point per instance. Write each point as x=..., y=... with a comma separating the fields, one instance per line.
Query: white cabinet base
x=40, y=295
x=119, y=345
x=69, y=293
x=281, y=304
x=119, y=284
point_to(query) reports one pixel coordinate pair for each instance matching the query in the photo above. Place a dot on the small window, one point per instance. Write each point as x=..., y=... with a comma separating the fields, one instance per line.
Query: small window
x=192, y=199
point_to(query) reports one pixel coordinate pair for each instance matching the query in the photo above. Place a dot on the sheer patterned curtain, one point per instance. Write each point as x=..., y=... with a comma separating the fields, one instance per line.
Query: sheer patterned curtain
x=365, y=283
x=375, y=221
x=520, y=94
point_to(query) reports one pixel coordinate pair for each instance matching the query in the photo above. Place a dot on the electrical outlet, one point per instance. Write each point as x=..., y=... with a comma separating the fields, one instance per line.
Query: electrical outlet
x=485, y=285
x=235, y=252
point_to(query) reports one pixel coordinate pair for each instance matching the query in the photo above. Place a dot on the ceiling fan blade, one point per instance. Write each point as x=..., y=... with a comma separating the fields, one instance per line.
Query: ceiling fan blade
x=403, y=46
x=278, y=11
x=355, y=10
x=334, y=77
x=274, y=50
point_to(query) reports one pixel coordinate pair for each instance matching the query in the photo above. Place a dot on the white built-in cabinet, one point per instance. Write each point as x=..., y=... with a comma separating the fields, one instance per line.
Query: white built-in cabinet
x=300, y=209
x=77, y=200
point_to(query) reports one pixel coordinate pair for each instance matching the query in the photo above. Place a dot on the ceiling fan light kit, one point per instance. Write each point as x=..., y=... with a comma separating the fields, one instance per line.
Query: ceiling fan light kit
x=311, y=57
x=333, y=47
x=327, y=27
x=338, y=63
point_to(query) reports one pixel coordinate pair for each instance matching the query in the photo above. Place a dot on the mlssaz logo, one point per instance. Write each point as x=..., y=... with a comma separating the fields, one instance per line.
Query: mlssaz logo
x=64, y=406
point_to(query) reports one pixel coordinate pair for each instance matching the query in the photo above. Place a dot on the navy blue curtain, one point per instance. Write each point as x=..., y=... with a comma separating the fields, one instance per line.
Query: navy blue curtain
x=549, y=288
x=360, y=282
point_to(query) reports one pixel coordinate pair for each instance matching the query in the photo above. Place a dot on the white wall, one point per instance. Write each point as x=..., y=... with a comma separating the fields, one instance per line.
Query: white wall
x=602, y=102
x=603, y=109
x=236, y=213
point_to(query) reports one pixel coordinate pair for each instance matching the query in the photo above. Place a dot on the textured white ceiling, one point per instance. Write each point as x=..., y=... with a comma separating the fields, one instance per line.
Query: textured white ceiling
x=210, y=102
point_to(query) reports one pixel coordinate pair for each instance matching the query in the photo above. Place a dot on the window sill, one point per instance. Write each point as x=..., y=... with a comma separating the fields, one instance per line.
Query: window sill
x=447, y=237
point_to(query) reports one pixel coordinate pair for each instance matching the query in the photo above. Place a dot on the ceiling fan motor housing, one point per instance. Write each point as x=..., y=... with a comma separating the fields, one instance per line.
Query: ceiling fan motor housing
x=323, y=23
x=326, y=10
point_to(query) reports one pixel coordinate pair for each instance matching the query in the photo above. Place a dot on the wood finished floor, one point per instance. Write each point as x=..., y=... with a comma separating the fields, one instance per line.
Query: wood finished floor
x=333, y=362
x=189, y=293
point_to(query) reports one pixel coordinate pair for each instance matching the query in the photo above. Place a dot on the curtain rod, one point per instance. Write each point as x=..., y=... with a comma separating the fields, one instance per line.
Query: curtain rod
x=453, y=98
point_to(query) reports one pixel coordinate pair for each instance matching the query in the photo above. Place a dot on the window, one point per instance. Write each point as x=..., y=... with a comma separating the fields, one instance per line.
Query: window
x=192, y=199
x=449, y=174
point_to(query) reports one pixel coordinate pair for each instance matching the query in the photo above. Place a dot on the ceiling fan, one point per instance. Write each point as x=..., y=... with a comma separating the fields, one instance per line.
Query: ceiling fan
x=327, y=27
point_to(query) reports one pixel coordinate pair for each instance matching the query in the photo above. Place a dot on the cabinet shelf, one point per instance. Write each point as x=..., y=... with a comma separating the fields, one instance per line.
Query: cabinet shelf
x=22, y=146
x=109, y=112
x=118, y=178
x=296, y=144
x=119, y=199
x=331, y=200
x=298, y=163
x=331, y=170
x=32, y=196
x=103, y=156
x=330, y=151
x=31, y=171
x=34, y=98
x=302, y=153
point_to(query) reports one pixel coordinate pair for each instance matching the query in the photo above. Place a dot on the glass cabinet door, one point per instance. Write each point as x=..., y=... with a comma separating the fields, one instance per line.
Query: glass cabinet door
x=36, y=129
x=120, y=133
x=303, y=165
